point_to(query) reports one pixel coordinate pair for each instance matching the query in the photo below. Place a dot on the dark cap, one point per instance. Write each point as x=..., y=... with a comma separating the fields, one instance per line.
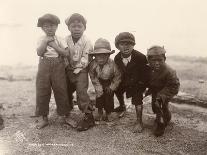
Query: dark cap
x=48, y=18
x=156, y=50
x=124, y=37
x=75, y=16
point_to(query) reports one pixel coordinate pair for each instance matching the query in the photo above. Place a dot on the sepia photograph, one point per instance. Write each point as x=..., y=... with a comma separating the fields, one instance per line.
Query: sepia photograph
x=103, y=77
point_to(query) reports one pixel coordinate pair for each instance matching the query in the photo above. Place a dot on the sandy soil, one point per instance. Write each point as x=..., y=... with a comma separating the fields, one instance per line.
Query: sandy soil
x=186, y=134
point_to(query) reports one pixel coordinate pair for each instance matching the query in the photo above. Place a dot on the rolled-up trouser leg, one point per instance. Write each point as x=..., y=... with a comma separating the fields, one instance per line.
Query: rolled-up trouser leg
x=81, y=90
x=43, y=88
x=70, y=90
x=109, y=102
x=100, y=102
x=59, y=87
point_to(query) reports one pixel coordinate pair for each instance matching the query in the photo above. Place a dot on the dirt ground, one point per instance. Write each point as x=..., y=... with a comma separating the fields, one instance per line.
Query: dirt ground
x=186, y=134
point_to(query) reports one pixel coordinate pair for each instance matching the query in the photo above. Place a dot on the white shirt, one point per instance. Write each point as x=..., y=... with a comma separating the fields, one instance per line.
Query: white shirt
x=78, y=56
x=126, y=60
x=51, y=52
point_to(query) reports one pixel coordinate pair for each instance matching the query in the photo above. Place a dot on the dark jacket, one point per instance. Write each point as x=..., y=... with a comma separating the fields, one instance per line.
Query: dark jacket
x=135, y=75
x=164, y=85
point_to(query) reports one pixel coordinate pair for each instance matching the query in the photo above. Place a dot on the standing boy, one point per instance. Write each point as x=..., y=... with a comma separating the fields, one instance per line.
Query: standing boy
x=105, y=77
x=76, y=69
x=134, y=69
x=51, y=70
x=163, y=86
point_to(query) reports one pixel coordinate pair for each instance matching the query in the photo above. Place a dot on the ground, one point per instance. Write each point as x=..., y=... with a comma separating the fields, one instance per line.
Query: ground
x=187, y=134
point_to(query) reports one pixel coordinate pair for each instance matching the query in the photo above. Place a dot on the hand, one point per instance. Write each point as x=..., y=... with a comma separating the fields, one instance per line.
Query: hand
x=108, y=90
x=77, y=70
x=49, y=39
x=157, y=104
x=53, y=44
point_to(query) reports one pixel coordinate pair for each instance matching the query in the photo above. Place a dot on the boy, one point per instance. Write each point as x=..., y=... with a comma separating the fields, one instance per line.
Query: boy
x=135, y=74
x=51, y=73
x=163, y=86
x=76, y=68
x=105, y=77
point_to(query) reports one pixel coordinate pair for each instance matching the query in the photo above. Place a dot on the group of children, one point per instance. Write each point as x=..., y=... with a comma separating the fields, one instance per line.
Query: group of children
x=64, y=66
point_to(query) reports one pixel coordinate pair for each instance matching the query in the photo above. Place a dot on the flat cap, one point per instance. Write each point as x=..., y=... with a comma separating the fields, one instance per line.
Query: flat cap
x=75, y=16
x=155, y=50
x=124, y=37
x=48, y=18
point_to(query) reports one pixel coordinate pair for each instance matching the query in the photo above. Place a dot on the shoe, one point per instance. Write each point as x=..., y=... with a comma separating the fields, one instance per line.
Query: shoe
x=160, y=129
x=86, y=123
x=120, y=109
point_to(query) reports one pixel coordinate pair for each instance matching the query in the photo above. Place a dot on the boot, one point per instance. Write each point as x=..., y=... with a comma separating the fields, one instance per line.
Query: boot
x=160, y=127
x=139, y=125
x=87, y=122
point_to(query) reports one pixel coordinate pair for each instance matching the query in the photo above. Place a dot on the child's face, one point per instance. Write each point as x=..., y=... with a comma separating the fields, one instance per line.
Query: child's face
x=101, y=59
x=156, y=62
x=49, y=28
x=125, y=48
x=76, y=28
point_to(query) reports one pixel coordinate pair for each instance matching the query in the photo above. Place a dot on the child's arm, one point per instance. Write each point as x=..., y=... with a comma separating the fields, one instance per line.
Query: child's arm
x=61, y=51
x=171, y=88
x=95, y=81
x=117, y=78
x=42, y=45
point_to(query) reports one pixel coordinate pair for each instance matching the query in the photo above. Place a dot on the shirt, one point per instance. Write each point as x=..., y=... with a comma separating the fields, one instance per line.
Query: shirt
x=108, y=72
x=51, y=52
x=78, y=52
x=126, y=60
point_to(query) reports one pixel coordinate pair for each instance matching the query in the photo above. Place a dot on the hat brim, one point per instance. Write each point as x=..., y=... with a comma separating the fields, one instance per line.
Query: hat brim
x=101, y=51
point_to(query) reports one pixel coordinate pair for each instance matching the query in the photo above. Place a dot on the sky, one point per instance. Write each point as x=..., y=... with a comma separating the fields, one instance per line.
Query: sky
x=179, y=25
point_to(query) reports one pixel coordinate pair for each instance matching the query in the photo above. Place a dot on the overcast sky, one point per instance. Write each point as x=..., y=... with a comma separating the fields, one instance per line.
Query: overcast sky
x=179, y=25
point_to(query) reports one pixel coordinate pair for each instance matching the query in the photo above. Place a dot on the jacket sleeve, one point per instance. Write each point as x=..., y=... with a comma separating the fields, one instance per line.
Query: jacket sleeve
x=94, y=80
x=84, y=58
x=117, y=78
x=171, y=88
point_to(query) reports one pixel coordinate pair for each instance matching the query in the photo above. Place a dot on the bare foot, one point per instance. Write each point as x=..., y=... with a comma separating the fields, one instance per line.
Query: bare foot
x=42, y=124
x=138, y=128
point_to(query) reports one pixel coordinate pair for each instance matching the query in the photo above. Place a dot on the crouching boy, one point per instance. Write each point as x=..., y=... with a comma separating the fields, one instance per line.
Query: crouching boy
x=105, y=78
x=51, y=70
x=163, y=86
x=135, y=74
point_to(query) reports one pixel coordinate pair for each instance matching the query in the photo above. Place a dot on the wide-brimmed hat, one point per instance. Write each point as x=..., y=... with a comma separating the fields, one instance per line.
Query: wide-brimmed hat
x=156, y=50
x=48, y=18
x=102, y=46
